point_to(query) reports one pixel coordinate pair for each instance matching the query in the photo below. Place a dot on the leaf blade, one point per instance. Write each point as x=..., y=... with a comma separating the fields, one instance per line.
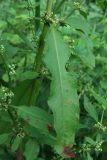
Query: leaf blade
x=3, y=138
x=90, y=109
x=63, y=100
x=36, y=117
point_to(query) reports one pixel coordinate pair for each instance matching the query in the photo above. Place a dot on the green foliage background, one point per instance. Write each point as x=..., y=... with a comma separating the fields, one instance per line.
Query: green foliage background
x=53, y=80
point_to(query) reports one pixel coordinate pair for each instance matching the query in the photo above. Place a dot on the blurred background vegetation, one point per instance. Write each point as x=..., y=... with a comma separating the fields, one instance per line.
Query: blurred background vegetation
x=19, y=35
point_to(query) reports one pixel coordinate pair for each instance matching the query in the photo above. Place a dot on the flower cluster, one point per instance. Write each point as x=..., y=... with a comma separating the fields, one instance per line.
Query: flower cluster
x=86, y=147
x=2, y=49
x=18, y=128
x=12, y=71
x=77, y=4
x=44, y=71
x=98, y=146
x=19, y=132
x=6, y=96
x=100, y=126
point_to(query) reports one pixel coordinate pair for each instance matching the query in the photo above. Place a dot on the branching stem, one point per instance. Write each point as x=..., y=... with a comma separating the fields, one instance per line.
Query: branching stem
x=37, y=83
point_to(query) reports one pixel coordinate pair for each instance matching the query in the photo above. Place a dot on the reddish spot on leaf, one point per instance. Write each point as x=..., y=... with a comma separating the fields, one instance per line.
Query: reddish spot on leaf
x=67, y=153
x=50, y=127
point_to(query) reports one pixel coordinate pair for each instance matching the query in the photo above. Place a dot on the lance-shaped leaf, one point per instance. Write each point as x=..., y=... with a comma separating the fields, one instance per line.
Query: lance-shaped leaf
x=3, y=138
x=63, y=99
x=84, y=50
x=22, y=36
x=16, y=143
x=79, y=23
x=35, y=117
x=100, y=99
x=90, y=108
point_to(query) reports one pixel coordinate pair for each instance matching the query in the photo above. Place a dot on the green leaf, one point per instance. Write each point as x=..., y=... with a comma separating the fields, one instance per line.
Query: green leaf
x=84, y=50
x=89, y=156
x=41, y=137
x=16, y=143
x=90, y=108
x=79, y=22
x=31, y=150
x=100, y=99
x=5, y=77
x=28, y=43
x=83, y=13
x=63, y=99
x=26, y=75
x=103, y=84
x=36, y=117
x=22, y=92
x=10, y=50
x=90, y=140
x=3, y=138
x=2, y=24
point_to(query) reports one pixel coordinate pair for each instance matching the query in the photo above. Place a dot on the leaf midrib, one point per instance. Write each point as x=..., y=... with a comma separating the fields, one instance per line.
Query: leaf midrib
x=60, y=75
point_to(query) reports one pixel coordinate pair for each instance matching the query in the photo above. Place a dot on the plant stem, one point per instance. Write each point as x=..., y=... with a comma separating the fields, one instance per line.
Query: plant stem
x=42, y=37
x=13, y=118
x=49, y=6
x=37, y=16
x=101, y=121
x=37, y=83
